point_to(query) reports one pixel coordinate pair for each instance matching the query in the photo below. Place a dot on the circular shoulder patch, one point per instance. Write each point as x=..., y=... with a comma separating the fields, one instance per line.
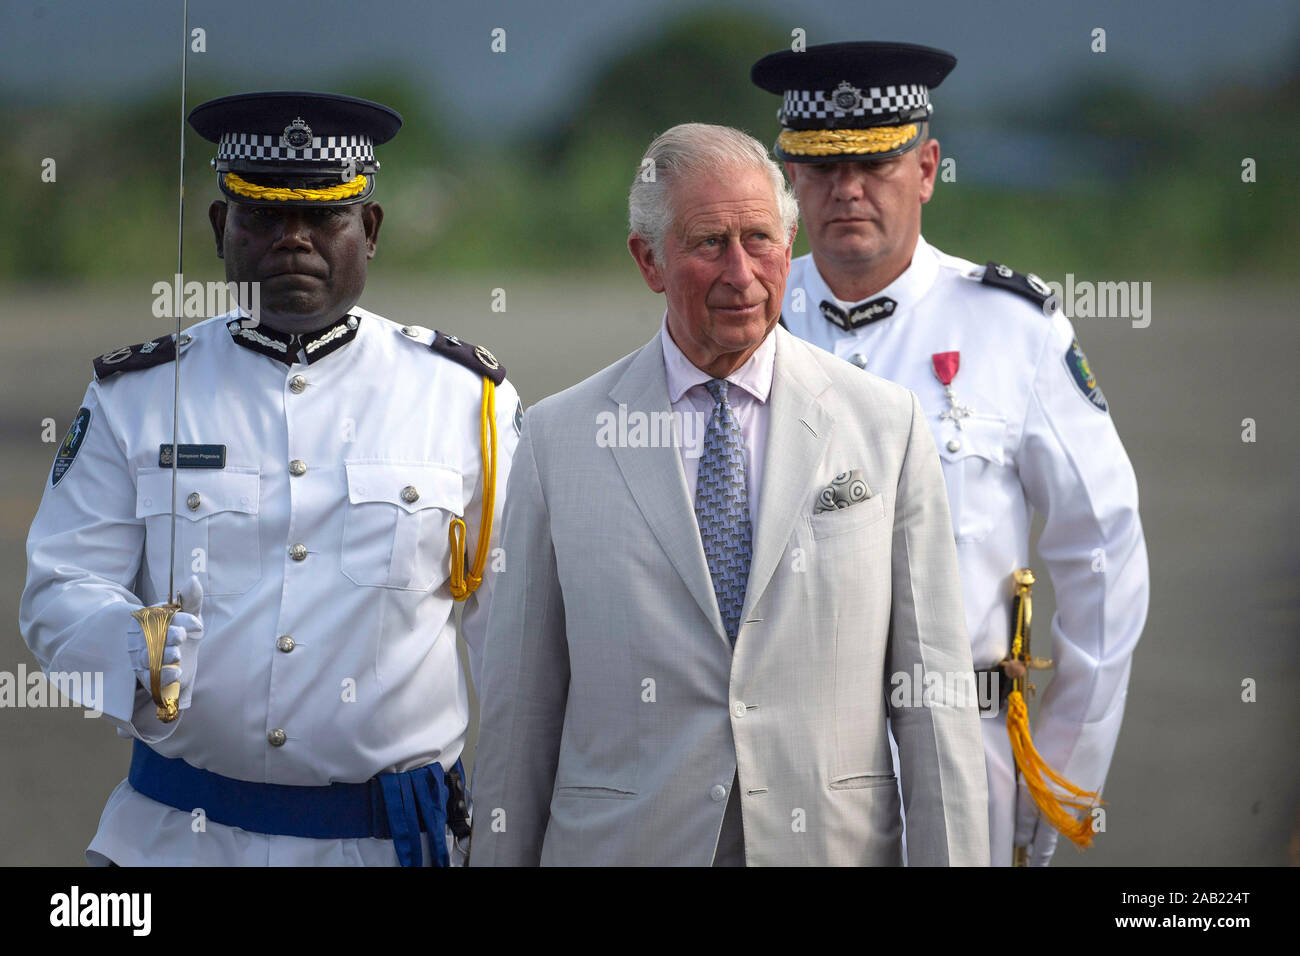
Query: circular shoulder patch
x=71, y=444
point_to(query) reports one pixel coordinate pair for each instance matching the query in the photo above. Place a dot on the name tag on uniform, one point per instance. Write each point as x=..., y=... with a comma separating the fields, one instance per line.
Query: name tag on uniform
x=193, y=456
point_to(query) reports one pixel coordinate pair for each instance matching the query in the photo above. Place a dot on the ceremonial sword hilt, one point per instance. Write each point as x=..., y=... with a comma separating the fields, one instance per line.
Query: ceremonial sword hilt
x=1020, y=661
x=155, y=621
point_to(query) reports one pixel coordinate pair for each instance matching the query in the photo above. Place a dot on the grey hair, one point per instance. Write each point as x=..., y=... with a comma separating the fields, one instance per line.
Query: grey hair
x=698, y=149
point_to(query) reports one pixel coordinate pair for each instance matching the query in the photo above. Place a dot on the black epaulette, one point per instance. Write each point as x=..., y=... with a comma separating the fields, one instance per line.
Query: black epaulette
x=132, y=358
x=1028, y=285
x=474, y=357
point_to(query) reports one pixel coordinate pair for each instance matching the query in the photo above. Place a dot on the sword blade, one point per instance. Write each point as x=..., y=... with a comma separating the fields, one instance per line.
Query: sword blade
x=172, y=595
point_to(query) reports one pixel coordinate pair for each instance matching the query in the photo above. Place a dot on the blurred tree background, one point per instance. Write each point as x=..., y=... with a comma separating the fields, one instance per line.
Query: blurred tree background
x=1099, y=181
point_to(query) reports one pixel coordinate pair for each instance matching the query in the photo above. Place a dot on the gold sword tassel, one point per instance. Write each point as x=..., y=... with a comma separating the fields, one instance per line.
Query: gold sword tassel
x=1029, y=763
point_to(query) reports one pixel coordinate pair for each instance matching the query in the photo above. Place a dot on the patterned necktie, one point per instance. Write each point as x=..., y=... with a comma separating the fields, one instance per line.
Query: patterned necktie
x=722, y=508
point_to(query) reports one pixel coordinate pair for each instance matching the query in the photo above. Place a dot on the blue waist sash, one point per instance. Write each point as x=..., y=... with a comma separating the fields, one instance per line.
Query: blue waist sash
x=390, y=806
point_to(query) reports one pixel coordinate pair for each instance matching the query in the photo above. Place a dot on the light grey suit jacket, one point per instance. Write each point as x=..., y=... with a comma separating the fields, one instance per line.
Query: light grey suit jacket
x=614, y=710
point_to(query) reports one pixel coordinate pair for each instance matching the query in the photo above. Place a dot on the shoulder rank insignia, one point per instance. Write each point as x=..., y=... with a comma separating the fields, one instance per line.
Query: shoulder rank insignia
x=1077, y=364
x=474, y=357
x=1028, y=285
x=132, y=358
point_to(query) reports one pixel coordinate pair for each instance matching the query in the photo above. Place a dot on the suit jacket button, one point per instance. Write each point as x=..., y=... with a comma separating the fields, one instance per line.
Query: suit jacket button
x=738, y=708
x=718, y=793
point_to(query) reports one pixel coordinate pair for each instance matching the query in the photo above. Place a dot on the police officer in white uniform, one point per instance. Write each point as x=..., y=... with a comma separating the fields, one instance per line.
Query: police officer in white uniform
x=1016, y=412
x=328, y=463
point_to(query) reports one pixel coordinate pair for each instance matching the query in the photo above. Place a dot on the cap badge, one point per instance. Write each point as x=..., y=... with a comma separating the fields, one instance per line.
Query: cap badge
x=297, y=134
x=846, y=97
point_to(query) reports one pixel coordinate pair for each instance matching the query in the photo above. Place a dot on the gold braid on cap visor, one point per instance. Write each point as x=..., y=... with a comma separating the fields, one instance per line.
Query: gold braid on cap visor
x=243, y=187
x=836, y=142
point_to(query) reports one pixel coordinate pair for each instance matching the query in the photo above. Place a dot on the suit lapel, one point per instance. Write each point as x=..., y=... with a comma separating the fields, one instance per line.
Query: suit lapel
x=798, y=430
x=658, y=486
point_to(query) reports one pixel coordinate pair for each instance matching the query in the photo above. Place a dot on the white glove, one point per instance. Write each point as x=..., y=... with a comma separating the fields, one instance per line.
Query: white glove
x=1033, y=831
x=180, y=651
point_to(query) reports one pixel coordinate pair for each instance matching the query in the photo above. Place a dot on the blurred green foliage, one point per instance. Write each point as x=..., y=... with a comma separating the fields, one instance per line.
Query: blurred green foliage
x=1164, y=194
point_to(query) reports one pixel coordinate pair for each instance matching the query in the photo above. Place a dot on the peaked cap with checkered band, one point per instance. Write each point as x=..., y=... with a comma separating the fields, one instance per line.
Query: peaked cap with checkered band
x=851, y=101
x=295, y=148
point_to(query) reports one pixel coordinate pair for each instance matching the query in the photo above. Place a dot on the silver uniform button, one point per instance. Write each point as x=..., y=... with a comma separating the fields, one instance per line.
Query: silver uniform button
x=410, y=495
x=193, y=501
x=298, y=552
x=954, y=444
x=277, y=737
x=738, y=708
x=284, y=643
x=297, y=383
x=718, y=793
x=407, y=330
x=858, y=359
x=353, y=322
x=185, y=339
x=297, y=467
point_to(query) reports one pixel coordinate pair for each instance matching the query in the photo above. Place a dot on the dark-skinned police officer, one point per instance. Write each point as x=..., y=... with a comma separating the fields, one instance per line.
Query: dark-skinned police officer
x=1020, y=422
x=338, y=480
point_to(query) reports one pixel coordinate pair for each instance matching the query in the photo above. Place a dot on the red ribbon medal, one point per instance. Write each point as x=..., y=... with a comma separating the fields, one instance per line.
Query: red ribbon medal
x=946, y=365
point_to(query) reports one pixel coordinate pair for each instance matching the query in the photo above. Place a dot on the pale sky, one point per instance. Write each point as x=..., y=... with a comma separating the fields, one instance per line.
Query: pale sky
x=1007, y=51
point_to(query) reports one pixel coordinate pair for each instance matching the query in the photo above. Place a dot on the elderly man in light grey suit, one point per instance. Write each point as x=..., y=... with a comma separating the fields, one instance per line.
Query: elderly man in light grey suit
x=726, y=554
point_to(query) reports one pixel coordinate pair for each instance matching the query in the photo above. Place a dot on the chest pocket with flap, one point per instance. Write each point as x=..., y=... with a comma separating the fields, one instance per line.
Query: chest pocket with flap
x=216, y=527
x=972, y=457
x=395, y=529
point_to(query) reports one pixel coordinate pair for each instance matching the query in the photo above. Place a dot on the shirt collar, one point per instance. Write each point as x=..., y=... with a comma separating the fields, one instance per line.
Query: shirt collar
x=755, y=376
x=284, y=346
x=910, y=286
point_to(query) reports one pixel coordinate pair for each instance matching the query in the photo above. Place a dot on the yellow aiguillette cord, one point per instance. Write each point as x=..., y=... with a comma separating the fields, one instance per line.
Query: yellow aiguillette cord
x=461, y=588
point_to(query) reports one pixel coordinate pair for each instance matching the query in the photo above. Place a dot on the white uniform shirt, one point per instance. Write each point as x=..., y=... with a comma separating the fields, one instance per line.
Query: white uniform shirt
x=1034, y=439
x=371, y=681
x=747, y=392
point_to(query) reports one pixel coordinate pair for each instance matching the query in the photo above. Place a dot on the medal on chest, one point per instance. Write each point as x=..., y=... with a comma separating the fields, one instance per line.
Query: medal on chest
x=945, y=369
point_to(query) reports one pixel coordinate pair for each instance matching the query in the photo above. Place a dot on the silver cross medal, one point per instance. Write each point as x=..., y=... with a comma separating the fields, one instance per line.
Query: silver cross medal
x=956, y=410
x=945, y=369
